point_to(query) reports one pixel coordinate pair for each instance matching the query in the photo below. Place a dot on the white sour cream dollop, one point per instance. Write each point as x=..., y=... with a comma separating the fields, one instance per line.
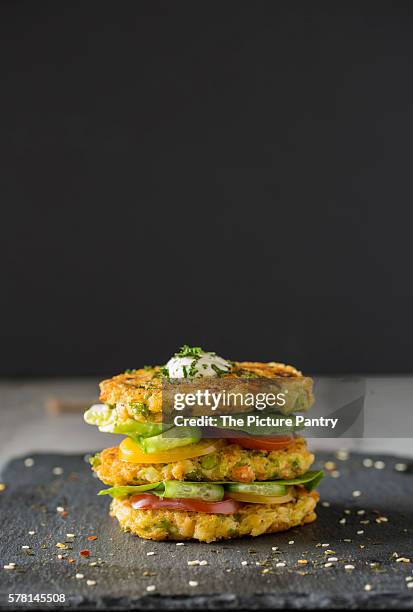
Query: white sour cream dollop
x=204, y=364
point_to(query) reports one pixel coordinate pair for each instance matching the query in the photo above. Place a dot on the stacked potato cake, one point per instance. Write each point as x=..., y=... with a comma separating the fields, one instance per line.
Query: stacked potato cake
x=185, y=485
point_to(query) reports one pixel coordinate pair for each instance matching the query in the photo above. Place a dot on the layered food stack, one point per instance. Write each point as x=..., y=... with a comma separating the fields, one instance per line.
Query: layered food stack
x=170, y=484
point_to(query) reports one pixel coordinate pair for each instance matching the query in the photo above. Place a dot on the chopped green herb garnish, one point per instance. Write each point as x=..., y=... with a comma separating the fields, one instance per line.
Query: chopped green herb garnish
x=189, y=351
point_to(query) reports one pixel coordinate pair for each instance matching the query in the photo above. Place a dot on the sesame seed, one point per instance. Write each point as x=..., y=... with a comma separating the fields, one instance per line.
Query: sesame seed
x=274, y=548
x=203, y=562
x=325, y=545
x=79, y=576
x=360, y=532
x=194, y=562
x=179, y=544
x=367, y=587
x=400, y=467
x=335, y=474
x=382, y=519
x=150, y=588
x=342, y=521
x=91, y=582
x=29, y=462
x=368, y=463
x=347, y=511
x=325, y=504
x=361, y=512
x=379, y=465
x=60, y=509
x=150, y=553
x=342, y=454
x=9, y=566
x=356, y=493
x=291, y=542
x=70, y=535
x=328, y=564
x=2, y=486
x=57, y=471
x=330, y=465
x=193, y=583
x=25, y=547
x=332, y=559
x=408, y=579
x=402, y=560
x=302, y=561
x=409, y=585
x=347, y=540
x=349, y=567
x=31, y=532
x=244, y=562
x=280, y=564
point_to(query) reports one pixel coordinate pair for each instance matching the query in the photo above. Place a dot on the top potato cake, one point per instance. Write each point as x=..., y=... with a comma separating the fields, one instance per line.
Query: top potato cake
x=137, y=394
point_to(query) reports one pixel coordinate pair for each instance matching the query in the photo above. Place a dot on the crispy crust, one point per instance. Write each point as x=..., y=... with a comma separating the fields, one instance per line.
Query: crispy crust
x=229, y=463
x=144, y=386
x=252, y=520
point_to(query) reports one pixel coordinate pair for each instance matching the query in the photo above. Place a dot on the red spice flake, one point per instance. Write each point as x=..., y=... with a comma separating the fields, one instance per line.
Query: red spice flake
x=92, y=537
x=84, y=553
x=71, y=560
x=64, y=514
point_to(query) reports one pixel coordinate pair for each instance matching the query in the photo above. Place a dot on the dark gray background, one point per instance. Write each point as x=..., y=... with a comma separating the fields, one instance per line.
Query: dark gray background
x=230, y=174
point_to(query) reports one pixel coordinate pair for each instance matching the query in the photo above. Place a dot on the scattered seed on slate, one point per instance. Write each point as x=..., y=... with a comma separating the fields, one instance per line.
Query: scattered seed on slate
x=400, y=467
x=342, y=454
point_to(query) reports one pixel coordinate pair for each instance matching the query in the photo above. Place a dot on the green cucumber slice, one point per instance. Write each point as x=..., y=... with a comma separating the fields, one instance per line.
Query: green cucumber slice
x=207, y=491
x=258, y=488
x=177, y=436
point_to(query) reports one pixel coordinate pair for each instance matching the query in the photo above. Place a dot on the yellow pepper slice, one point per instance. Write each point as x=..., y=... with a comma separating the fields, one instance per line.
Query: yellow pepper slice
x=131, y=451
x=252, y=498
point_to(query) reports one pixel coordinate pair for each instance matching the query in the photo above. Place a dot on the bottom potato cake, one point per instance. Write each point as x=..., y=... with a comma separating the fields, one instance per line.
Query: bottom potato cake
x=229, y=463
x=251, y=520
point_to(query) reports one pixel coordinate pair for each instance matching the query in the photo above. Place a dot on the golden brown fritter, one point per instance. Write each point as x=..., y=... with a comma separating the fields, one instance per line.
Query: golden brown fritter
x=251, y=520
x=231, y=463
x=138, y=393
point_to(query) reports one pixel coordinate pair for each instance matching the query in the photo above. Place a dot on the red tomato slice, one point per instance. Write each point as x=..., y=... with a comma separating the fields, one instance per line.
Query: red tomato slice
x=263, y=442
x=148, y=501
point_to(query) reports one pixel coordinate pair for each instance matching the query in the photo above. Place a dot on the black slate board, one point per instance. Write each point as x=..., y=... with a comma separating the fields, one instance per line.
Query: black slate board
x=33, y=494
